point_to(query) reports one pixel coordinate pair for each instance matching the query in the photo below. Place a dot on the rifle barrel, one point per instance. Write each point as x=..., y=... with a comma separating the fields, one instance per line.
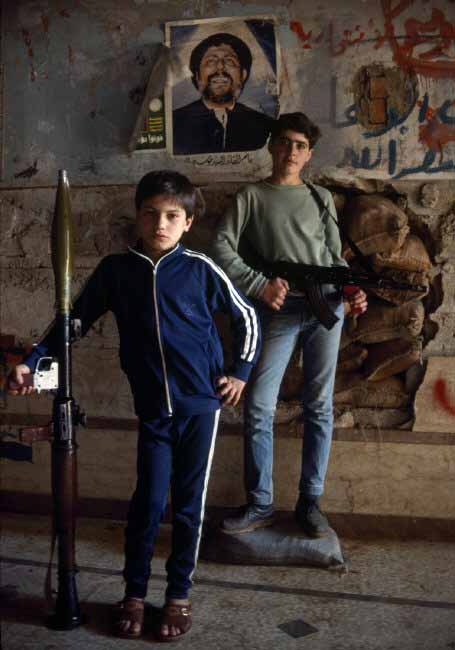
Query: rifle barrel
x=298, y=274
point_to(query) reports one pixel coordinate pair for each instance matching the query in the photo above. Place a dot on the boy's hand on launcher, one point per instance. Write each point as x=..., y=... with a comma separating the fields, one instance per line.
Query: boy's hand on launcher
x=20, y=380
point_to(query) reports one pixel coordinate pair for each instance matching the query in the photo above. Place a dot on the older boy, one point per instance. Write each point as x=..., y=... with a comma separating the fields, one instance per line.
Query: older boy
x=163, y=297
x=281, y=219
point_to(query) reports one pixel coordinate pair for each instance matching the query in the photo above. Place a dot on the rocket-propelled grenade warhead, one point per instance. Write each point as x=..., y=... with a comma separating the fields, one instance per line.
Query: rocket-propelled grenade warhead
x=62, y=244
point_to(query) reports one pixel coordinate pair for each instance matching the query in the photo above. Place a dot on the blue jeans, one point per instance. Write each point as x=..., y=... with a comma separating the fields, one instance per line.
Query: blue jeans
x=293, y=325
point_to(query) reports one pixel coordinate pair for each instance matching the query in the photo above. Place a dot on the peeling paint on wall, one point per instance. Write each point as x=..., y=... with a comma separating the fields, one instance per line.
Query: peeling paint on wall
x=65, y=65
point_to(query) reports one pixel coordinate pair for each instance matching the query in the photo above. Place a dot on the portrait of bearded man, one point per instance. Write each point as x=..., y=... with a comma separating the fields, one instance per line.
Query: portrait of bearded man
x=217, y=122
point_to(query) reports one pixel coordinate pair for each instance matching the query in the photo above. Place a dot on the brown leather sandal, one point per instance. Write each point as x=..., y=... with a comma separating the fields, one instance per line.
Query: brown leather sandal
x=132, y=610
x=176, y=616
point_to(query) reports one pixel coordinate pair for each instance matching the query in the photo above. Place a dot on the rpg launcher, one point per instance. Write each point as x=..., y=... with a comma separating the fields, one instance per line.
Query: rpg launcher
x=54, y=374
x=309, y=279
x=66, y=415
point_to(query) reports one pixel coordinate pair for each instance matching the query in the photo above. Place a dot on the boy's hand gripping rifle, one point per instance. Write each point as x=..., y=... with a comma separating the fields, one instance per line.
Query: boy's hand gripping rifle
x=55, y=374
x=309, y=280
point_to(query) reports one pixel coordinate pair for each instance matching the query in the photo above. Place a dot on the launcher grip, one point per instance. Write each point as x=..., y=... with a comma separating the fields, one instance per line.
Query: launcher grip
x=28, y=381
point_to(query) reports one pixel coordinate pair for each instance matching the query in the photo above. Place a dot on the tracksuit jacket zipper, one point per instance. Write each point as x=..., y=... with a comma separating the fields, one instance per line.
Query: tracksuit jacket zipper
x=158, y=328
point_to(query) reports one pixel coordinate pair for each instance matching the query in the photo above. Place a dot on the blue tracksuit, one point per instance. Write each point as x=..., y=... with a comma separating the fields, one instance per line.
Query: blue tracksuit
x=172, y=355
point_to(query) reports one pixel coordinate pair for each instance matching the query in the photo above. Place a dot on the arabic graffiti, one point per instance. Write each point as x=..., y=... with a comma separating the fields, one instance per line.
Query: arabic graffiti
x=214, y=160
x=436, y=129
x=362, y=161
x=399, y=135
x=338, y=43
x=427, y=47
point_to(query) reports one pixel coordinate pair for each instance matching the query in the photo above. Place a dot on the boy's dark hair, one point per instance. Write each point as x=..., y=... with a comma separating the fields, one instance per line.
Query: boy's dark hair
x=298, y=122
x=240, y=48
x=170, y=183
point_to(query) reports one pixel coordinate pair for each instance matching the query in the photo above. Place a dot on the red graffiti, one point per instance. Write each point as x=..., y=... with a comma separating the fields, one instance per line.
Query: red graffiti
x=435, y=133
x=426, y=45
x=348, y=39
x=441, y=397
x=45, y=23
x=429, y=112
x=297, y=28
x=418, y=33
x=380, y=39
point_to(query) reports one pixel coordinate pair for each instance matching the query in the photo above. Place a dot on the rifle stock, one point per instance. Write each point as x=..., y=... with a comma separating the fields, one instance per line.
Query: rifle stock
x=309, y=279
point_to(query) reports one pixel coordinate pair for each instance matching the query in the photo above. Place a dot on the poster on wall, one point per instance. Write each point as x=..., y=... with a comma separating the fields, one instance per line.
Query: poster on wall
x=152, y=133
x=224, y=89
x=149, y=133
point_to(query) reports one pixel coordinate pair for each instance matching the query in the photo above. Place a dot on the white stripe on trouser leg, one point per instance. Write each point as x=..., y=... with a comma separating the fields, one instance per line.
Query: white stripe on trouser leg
x=204, y=493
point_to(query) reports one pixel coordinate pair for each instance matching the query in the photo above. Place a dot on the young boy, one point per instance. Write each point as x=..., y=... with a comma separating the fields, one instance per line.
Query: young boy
x=163, y=297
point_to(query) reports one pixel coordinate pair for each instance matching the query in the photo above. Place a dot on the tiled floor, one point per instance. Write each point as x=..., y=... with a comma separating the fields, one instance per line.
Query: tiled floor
x=394, y=595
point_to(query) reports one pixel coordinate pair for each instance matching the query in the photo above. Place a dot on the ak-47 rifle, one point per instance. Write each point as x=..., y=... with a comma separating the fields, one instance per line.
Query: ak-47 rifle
x=309, y=279
x=55, y=374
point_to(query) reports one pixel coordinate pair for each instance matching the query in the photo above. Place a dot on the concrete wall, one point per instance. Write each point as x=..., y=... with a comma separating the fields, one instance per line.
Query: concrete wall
x=364, y=477
x=72, y=82
x=377, y=76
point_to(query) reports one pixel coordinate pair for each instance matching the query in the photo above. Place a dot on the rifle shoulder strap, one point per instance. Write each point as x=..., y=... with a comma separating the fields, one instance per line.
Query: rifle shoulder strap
x=323, y=209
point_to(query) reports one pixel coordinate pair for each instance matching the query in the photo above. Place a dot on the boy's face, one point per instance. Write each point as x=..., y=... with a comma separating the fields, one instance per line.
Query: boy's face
x=290, y=152
x=160, y=223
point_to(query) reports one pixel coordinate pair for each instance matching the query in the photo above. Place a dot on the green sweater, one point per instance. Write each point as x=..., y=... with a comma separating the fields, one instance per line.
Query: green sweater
x=281, y=223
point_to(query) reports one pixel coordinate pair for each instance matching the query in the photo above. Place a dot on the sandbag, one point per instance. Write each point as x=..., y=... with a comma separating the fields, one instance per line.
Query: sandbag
x=412, y=256
x=283, y=544
x=382, y=322
x=402, y=297
x=390, y=358
x=387, y=393
x=351, y=357
x=375, y=224
x=339, y=200
x=345, y=381
x=377, y=418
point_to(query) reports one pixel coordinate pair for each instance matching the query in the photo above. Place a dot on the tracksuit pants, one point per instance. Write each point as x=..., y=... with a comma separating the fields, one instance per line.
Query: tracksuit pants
x=173, y=452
